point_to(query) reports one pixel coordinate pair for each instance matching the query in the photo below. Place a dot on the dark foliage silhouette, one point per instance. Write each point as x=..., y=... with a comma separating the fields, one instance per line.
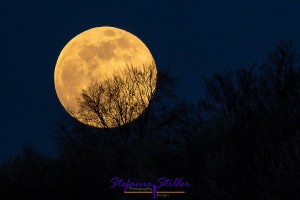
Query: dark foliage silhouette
x=251, y=132
x=242, y=141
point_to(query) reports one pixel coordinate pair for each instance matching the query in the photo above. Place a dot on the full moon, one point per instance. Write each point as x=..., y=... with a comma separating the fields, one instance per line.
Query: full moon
x=96, y=55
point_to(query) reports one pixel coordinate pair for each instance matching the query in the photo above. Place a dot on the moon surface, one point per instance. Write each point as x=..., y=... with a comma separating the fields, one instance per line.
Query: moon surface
x=95, y=55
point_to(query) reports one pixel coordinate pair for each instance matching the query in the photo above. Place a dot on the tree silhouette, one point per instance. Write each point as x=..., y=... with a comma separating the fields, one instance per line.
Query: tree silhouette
x=132, y=105
x=131, y=149
x=240, y=142
x=253, y=116
x=118, y=100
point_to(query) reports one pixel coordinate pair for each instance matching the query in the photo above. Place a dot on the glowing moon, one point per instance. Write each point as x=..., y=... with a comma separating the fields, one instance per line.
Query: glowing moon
x=92, y=56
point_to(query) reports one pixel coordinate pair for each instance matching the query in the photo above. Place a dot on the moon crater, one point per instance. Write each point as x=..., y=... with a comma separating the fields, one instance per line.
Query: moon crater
x=106, y=51
x=109, y=33
x=88, y=53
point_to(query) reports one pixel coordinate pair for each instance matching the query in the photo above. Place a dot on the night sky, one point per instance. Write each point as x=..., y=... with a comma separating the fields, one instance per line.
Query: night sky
x=190, y=38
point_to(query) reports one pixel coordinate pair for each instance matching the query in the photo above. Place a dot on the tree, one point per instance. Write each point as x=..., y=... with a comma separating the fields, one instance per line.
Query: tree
x=130, y=149
x=253, y=116
x=132, y=105
x=29, y=174
x=118, y=100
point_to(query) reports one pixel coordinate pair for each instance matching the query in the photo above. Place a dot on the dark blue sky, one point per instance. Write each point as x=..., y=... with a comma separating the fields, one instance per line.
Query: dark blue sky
x=190, y=38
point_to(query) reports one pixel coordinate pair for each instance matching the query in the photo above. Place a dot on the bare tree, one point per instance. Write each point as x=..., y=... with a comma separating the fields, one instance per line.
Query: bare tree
x=132, y=105
x=118, y=100
x=253, y=116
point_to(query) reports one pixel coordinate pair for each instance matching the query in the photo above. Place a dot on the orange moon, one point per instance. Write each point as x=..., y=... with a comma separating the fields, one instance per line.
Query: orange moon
x=92, y=56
